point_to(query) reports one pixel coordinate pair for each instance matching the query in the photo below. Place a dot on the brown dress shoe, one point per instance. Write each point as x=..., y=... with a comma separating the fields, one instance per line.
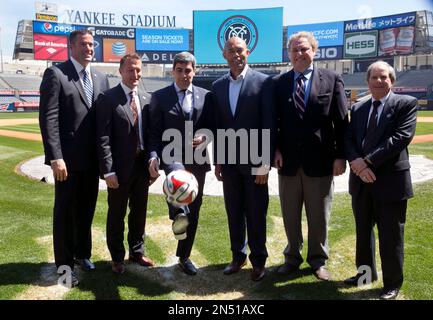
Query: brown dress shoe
x=257, y=273
x=322, y=274
x=118, y=267
x=142, y=260
x=234, y=267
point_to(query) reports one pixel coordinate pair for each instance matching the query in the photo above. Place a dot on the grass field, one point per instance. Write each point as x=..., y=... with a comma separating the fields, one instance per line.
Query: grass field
x=27, y=272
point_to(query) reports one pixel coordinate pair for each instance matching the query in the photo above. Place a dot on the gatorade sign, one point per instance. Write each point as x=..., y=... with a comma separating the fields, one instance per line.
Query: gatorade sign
x=360, y=44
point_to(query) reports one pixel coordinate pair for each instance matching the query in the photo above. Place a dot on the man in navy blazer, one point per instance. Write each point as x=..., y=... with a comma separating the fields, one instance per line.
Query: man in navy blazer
x=242, y=105
x=122, y=131
x=67, y=121
x=312, y=118
x=174, y=108
x=380, y=131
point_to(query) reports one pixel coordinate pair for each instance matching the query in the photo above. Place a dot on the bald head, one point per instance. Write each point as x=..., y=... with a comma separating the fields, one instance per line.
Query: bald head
x=236, y=53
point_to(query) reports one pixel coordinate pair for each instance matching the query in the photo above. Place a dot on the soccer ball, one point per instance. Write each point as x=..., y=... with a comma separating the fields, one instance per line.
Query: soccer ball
x=180, y=188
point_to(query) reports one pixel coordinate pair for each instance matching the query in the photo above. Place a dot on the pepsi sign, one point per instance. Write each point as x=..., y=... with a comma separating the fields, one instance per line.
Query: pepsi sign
x=54, y=28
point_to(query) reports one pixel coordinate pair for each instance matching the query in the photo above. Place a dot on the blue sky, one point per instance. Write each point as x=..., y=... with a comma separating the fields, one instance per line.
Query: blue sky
x=295, y=12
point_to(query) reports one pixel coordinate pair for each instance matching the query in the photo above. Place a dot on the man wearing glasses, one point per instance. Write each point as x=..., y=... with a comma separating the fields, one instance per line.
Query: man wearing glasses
x=311, y=119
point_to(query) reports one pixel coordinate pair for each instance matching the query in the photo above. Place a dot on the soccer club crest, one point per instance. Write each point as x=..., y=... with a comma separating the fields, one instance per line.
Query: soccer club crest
x=241, y=27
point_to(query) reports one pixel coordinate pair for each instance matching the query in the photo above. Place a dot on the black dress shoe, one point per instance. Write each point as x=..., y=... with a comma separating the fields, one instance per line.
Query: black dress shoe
x=234, y=267
x=287, y=269
x=64, y=281
x=187, y=267
x=354, y=281
x=257, y=273
x=388, y=294
x=179, y=226
x=86, y=264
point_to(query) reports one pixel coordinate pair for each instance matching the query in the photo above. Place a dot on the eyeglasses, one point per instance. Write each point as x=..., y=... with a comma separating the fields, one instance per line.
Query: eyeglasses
x=301, y=50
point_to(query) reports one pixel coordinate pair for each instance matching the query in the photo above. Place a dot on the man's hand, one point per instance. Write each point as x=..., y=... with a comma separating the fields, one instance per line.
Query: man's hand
x=60, y=172
x=367, y=175
x=154, y=168
x=338, y=167
x=112, y=182
x=198, y=141
x=358, y=165
x=278, y=159
x=218, y=173
x=261, y=179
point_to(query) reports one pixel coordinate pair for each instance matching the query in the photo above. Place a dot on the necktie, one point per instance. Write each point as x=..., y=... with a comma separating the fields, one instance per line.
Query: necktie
x=186, y=105
x=371, y=127
x=133, y=106
x=300, y=95
x=88, y=89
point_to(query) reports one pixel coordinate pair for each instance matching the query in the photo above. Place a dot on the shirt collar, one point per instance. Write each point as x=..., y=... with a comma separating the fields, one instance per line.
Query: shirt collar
x=127, y=90
x=383, y=99
x=307, y=73
x=79, y=67
x=241, y=76
x=178, y=90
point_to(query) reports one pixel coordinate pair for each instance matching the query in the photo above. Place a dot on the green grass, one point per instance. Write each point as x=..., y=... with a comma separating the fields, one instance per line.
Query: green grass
x=18, y=115
x=424, y=128
x=26, y=218
x=30, y=128
x=425, y=113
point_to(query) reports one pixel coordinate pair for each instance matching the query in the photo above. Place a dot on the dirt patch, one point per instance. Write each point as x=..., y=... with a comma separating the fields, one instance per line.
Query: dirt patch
x=422, y=138
x=424, y=119
x=17, y=122
x=21, y=135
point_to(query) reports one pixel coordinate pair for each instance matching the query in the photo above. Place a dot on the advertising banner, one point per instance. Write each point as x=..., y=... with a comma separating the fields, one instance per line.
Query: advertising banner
x=327, y=34
x=322, y=53
x=360, y=44
x=262, y=30
x=55, y=28
x=50, y=47
x=122, y=33
x=396, y=41
x=115, y=49
x=378, y=23
x=162, y=40
x=165, y=57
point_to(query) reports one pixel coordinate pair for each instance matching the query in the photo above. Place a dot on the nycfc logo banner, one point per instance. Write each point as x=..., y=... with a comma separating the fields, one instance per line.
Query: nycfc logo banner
x=241, y=27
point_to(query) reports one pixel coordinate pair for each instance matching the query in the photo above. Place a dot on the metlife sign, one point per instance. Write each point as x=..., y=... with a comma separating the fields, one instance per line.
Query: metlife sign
x=360, y=44
x=378, y=23
x=54, y=28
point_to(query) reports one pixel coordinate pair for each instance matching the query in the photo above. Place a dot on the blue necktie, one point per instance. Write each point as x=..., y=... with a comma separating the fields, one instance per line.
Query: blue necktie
x=88, y=89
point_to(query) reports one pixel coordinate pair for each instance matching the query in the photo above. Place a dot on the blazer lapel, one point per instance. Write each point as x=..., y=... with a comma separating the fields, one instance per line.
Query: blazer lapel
x=96, y=84
x=383, y=120
x=362, y=122
x=225, y=96
x=316, y=82
x=197, y=105
x=77, y=82
x=126, y=104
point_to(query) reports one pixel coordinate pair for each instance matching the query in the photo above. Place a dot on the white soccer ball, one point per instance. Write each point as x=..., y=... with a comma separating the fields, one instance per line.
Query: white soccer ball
x=180, y=188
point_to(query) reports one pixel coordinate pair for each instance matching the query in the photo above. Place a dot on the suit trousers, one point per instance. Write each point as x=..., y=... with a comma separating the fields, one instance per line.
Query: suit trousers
x=74, y=207
x=390, y=218
x=246, y=204
x=316, y=194
x=184, y=247
x=135, y=194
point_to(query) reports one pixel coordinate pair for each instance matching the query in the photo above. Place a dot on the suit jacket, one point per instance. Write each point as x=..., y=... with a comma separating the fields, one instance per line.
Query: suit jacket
x=117, y=138
x=389, y=155
x=254, y=111
x=315, y=141
x=66, y=119
x=166, y=113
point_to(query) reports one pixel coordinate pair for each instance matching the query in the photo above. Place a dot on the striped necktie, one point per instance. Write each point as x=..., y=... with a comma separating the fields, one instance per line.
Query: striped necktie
x=133, y=106
x=300, y=95
x=371, y=128
x=88, y=89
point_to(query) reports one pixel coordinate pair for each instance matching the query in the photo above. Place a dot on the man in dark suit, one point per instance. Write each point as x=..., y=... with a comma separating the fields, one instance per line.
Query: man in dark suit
x=176, y=107
x=67, y=121
x=122, y=130
x=241, y=104
x=312, y=118
x=380, y=130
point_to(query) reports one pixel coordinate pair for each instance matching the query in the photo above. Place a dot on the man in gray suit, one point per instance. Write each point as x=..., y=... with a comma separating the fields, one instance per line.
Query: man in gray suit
x=67, y=121
x=175, y=107
x=380, y=131
x=241, y=103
